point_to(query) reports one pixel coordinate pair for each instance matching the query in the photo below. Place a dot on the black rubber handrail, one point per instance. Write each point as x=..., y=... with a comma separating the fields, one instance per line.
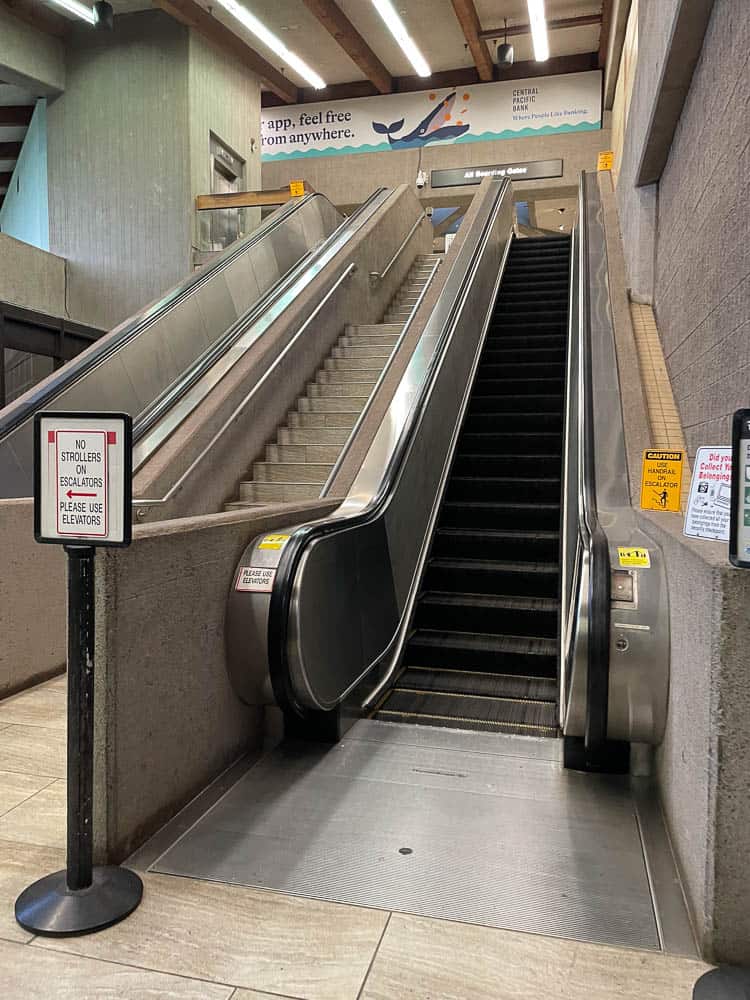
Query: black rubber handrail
x=154, y=412
x=599, y=577
x=95, y=354
x=281, y=595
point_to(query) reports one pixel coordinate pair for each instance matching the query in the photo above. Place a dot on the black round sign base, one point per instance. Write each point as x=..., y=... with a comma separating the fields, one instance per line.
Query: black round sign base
x=49, y=907
x=723, y=984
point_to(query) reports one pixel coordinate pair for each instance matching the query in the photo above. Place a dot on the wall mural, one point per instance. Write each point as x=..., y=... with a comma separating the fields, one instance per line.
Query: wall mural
x=506, y=110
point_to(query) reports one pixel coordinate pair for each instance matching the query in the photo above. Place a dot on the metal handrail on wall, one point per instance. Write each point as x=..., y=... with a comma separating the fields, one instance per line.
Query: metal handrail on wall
x=376, y=276
x=381, y=378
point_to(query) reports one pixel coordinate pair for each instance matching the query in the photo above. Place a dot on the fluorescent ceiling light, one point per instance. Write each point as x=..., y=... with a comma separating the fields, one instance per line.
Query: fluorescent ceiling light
x=398, y=29
x=538, y=30
x=79, y=9
x=268, y=38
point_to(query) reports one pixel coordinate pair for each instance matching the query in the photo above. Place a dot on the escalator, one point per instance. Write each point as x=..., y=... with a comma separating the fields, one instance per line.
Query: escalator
x=152, y=365
x=464, y=584
x=483, y=652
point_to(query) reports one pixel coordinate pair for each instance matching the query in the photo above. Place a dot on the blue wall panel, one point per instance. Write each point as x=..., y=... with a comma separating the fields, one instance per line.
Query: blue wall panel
x=25, y=211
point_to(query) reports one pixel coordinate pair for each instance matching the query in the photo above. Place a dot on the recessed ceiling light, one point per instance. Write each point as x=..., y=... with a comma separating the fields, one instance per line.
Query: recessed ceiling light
x=398, y=29
x=257, y=28
x=538, y=23
x=79, y=9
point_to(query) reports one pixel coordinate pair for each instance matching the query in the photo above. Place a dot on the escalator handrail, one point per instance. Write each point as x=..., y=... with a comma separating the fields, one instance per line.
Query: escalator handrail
x=293, y=551
x=137, y=324
x=592, y=533
x=174, y=392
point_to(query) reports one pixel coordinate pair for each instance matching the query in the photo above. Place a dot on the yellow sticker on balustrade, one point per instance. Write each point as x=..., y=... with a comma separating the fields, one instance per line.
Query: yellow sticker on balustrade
x=605, y=160
x=661, y=480
x=274, y=542
x=296, y=188
x=633, y=557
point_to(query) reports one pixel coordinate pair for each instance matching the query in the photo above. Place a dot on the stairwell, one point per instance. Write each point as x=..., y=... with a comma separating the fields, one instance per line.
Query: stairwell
x=299, y=461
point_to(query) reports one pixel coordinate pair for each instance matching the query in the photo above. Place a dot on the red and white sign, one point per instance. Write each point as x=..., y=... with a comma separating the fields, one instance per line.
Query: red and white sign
x=256, y=579
x=81, y=472
x=81, y=481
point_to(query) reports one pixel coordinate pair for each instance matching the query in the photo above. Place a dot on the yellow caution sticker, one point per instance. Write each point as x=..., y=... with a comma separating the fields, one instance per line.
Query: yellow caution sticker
x=296, y=188
x=605, y=160
x=661, y=480
x=274, y=542
x=633, y=557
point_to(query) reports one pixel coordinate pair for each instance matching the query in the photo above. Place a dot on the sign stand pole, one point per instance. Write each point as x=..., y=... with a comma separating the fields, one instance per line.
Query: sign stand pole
x=84, y=897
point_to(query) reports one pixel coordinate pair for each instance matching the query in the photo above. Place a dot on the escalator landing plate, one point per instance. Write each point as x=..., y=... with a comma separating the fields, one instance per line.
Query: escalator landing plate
x=480, y=828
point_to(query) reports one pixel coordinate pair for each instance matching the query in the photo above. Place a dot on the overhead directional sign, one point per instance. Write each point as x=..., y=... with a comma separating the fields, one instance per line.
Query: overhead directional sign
x=524, y=171
x=82, y=491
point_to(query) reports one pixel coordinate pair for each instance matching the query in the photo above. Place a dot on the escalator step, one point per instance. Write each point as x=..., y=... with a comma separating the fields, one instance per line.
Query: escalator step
x=497, y=442
x=492, y=421
x=507, y=516
x=488, y=576
x=498, y=464
x=488, y=614
x=534, y=718
x=517, y=405
x=515, y=369
x=503, y=488
x=541, y=546
x=530, y=656
x=466, y=682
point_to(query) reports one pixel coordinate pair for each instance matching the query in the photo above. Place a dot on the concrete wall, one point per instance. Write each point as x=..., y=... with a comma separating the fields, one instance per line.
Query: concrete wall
x=24, y=213
x=348, y=180
x=637, y=206
x=224, y=98
x=702, y=282
x=32, y=602
x=702, y=765
x=119, y=166
x=31, y=278
x=29, y=58
x=167, y=720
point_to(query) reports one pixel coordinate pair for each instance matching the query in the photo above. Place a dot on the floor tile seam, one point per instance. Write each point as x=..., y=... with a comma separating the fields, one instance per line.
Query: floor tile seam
x=28, y=798
x=369, y=969
x=41, y=943
x=29, y=774
x=23, y=944
x=37, y=725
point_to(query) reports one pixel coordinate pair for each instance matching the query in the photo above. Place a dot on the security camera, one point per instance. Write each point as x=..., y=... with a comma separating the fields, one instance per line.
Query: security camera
x=421, y=179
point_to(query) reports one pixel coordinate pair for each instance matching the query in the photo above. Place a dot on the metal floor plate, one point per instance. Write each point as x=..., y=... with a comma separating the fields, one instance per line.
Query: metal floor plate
x=481, y=828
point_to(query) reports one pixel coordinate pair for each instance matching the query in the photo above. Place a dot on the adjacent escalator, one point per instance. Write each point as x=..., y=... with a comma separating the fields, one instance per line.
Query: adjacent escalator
x=484, y=647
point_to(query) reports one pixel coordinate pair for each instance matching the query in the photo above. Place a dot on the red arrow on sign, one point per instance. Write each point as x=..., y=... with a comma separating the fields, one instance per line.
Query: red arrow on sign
x=70, y=494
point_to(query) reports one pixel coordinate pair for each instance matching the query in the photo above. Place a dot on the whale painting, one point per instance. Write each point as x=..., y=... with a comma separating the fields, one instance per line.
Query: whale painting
x=433, y=128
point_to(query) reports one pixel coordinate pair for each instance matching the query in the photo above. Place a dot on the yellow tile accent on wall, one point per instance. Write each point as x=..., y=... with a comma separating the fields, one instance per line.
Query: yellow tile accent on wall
x=663, y=415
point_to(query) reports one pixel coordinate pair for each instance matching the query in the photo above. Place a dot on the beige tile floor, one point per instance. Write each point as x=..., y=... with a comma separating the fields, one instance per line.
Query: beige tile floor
x=193, y=940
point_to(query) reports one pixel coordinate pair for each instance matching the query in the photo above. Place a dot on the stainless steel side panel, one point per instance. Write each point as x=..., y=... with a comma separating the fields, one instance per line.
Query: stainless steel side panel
x=350, y=591
x=154, y=352
x=639, y=636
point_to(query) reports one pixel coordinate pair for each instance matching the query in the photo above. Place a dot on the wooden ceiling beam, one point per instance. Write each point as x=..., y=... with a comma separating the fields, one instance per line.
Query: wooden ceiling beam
x=16, y=115
x=338, y=25
x=10, y=150
x=5, y=177
x=468, y=18
x=605, y=32
x=194, y=16
x=579, y=62
x=553, y=25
